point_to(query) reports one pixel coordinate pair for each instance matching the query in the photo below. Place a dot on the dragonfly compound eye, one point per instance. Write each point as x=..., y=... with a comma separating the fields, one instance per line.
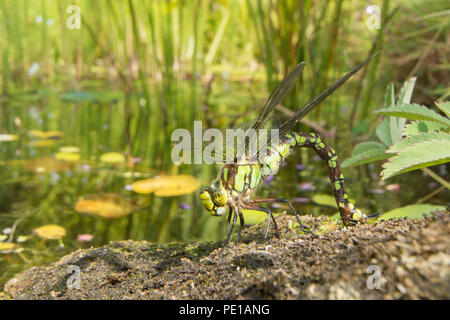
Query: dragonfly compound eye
x=209, y=205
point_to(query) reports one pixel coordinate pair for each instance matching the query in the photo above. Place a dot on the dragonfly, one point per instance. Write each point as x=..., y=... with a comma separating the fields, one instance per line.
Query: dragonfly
x=237, y=181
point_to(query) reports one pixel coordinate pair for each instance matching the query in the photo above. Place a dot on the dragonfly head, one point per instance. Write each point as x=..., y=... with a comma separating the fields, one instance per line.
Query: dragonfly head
x=215, y=198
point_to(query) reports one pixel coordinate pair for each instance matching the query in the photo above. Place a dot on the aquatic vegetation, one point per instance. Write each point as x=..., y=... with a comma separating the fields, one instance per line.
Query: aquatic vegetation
x=415, y=211
x=45, y=135
x=407, y=147
x=47, y=164
x=50, y=232
x=109, y=206
x=8, y=137
x=9, y=247
x=67, y=156
x=167, y=186
x=112, y=158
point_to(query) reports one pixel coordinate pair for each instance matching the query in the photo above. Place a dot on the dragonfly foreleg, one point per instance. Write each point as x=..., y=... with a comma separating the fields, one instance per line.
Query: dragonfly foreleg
x=349, y=214
x=303, y=227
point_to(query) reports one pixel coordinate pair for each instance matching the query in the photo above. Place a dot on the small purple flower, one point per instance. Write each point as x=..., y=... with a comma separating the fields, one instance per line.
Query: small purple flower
x=137, y=160
x=301, y=200
x=184, y=206
x=307, y=186
x=269, y=179
x=85, y=237
x=86, y=167
x=299, y=166
x=128, y=187
x=433, y=185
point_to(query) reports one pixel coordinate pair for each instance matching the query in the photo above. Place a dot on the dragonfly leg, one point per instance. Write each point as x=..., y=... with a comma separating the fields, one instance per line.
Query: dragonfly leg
x=241, y=221
x=302, y=226
x=270, y=217
x=234, y=211
x=349, y=214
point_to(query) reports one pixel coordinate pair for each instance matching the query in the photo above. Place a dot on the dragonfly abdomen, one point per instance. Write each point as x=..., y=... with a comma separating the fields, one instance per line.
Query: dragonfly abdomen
x=277, y=154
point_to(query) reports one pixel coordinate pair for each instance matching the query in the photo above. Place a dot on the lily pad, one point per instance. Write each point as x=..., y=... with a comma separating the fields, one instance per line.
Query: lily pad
x=167, y=186
x=108, y=206
x=8, y=247
x=8, y=137
x=47, y=164
x=67, y=156
x=112, y=158
x=50, y=231
x=415, y=211
x=45, y=134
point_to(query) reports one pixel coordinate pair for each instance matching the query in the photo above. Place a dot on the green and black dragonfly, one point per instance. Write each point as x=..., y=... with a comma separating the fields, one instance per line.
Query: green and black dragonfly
x=238, y=180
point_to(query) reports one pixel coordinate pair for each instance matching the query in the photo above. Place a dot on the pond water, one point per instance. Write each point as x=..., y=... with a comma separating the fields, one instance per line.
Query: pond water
x=68, y=153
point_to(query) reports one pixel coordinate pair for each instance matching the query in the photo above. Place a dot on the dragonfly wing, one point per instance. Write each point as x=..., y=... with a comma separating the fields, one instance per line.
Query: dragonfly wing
x=286, y=126
x=278, y=94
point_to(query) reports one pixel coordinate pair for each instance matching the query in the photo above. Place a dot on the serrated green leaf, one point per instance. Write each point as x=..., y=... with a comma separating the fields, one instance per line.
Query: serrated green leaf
x=417, y=127
x=415, y=211
x=444, y=106
x=398, y=124
x=383, y=132
x=411, y=141
x=414, y=112
x=420, y=155
x=389, y=96
x=366, y=146
x=365, y=157
x=406, y=91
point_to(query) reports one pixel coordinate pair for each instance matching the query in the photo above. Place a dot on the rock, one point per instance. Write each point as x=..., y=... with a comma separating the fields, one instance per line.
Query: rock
x=395, y=259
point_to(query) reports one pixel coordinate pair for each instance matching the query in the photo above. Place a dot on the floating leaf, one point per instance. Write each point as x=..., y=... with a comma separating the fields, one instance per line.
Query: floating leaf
x=167, y=186
x=67, y=156
x=45, y=135
x=108, y=206
x=415, y=211
x=50, y=231
x=414, y=112
x=42, y=143
x=324, y=200
x=112, y=158
x=89, y=96
x=420, y=155
x=255, y=216
x=8, y=247
x=69, y=149
x=8, y=137
x=47, y=164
